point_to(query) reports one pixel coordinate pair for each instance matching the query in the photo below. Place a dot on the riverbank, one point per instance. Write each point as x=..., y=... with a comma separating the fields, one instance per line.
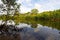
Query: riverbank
x=9, y=32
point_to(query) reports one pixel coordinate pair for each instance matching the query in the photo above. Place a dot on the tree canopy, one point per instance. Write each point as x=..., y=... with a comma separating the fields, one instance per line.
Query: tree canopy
x=9, y=7
x=34, y=11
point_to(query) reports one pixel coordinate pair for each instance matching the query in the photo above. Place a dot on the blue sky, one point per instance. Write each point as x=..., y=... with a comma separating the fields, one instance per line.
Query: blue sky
x=41, y=5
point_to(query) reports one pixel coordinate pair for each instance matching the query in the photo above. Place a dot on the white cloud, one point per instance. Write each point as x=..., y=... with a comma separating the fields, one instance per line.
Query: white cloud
x=0, y=2
x=20, y=1
x=50, y=5
x=30, y=4
x=37, y=6
x=28, y=1
x=25, y=9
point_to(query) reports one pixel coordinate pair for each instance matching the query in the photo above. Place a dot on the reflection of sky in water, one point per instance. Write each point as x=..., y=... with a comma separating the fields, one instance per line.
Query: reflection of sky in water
x=39, y=33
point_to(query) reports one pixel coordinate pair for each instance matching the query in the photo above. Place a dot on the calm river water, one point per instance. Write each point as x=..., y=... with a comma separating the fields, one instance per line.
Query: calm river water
x=39, y=33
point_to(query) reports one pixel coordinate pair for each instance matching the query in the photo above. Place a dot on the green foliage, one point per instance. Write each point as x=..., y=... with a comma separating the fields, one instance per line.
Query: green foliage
x=34, y=11
x=49, y=15
x=10, y=2
x=9, y=6
x=48, y=18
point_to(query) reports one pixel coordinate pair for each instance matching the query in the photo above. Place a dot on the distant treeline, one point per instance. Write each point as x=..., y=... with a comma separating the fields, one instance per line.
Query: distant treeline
x=34, y=15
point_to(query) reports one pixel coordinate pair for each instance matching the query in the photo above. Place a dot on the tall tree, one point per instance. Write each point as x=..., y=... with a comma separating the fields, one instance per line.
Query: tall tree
x=34, y=11
x=8, y=6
